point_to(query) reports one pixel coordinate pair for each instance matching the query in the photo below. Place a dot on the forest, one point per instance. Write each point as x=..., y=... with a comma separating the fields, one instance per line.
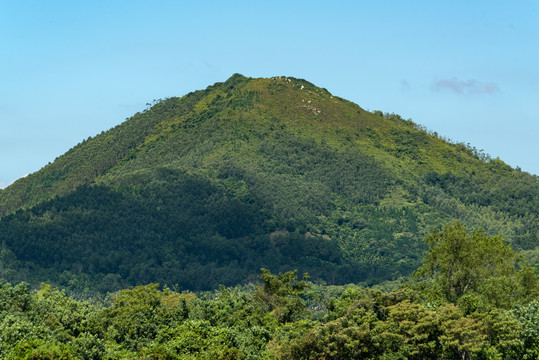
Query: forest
x=477, y=302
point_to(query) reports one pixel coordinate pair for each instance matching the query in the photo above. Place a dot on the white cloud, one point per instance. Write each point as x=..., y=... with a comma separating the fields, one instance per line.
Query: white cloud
x=471, y=86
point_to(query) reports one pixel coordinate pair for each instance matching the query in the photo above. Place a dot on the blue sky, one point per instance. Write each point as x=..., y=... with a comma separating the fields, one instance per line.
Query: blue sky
x=468, y=70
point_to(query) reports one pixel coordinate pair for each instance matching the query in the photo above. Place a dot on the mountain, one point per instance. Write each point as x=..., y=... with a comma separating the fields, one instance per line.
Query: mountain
x=208, y=188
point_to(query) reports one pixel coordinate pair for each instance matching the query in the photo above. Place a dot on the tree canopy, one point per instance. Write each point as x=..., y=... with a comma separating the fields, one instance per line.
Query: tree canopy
x=475, y=267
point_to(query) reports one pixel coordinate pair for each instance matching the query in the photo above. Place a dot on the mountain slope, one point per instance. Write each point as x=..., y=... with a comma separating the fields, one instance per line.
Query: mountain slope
x=251, y=173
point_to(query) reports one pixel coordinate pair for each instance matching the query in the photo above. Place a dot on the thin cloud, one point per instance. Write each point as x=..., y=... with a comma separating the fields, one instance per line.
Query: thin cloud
x=465, y=87
x=405, y=85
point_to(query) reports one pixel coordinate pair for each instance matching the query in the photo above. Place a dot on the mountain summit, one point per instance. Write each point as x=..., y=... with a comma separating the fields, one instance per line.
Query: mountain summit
x=208, y=188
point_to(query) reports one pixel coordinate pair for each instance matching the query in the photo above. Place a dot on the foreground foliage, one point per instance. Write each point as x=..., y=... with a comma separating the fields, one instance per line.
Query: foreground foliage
x=145, y=323
x=283, y=317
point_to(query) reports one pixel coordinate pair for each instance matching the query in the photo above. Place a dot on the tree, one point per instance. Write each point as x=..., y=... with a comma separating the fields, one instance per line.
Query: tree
x=528, y=318
x=471, y=268
x=281, y=294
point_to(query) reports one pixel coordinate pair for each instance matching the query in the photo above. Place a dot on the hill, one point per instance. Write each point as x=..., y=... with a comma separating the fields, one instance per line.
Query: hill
x=208, y=188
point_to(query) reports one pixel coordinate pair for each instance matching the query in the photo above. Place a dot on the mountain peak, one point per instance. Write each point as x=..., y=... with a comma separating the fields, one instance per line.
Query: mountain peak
x=258, y=172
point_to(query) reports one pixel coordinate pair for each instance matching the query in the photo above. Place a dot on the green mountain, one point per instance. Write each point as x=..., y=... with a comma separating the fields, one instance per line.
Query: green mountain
x=208, y=188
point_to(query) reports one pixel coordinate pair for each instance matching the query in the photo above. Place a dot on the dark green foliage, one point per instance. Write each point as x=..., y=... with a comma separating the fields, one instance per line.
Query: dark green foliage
x=272, y=319
x=506, y=201
x=475, y=271
x=280, y=295
x=188, y=232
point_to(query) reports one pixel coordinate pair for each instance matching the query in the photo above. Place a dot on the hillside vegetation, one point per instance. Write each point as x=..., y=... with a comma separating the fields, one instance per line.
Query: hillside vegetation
x=208, y=188
x=461, y=306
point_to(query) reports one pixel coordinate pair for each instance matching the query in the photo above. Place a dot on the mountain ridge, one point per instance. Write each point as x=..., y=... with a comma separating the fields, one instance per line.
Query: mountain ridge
x=139, y=121
x=350, y=191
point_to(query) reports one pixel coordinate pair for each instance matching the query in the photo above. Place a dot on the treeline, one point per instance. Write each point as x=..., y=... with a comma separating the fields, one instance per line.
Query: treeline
x=460, y=305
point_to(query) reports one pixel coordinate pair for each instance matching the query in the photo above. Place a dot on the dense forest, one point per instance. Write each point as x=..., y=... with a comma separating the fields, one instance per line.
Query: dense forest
x=206, y=189
x=472, y=298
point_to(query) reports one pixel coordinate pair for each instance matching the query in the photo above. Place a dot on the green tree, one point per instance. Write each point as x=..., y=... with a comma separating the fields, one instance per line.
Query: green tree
x=281, y=295
x=474, y=269
x=528, y=318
